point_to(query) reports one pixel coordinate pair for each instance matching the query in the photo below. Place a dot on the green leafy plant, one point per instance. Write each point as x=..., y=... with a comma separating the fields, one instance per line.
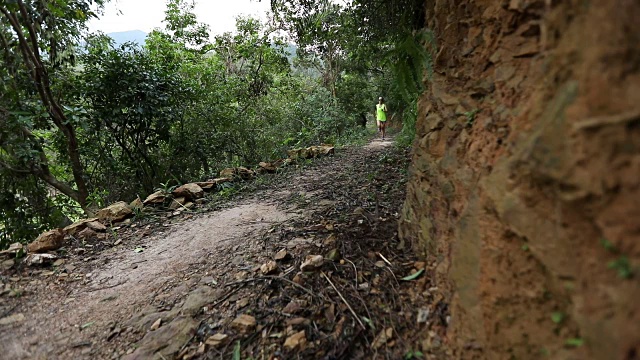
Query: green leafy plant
x=471, y=117
x=574, y=342
x=608, y=245
x=411, y=354
x=237, y=351
x=557, y=317
x=622, y=266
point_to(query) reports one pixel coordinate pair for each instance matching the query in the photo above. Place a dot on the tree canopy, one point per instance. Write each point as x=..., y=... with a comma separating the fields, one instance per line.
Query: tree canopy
x=85, y=122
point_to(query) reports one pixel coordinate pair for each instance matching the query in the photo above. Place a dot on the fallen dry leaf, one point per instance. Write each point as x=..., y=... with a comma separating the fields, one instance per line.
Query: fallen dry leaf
x=312, y=262
x=294, y=306
x=156, y=325
x=382, y=338
x=244, y=323
x=296, y=340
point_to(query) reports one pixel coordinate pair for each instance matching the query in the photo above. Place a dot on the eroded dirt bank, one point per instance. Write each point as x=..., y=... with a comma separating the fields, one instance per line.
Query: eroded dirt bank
x=524, y=188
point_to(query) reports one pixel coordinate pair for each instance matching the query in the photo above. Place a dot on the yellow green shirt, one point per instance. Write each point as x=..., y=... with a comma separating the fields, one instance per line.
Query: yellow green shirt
x=381, y=113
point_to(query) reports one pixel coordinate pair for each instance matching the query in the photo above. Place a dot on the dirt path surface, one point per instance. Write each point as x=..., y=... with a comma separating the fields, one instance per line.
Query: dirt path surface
x=226, y=278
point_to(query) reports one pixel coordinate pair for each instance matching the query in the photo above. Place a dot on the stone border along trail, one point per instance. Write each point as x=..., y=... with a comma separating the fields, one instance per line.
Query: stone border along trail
x=201, y=285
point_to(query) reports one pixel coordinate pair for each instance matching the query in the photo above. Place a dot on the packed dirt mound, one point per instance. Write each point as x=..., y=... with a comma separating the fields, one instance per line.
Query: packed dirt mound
x=308, y=265
x=524, y=181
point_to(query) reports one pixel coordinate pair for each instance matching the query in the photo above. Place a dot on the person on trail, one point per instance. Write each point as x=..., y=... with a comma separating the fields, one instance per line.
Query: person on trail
x=381, y=116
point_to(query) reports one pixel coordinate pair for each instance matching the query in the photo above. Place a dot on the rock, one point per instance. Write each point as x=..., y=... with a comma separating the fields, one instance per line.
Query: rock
x=58, y=262
x=311, y=152
x=227, y=173
x=282, y=255
x=48, y=241
x=217, y=340
x=269, y=268
x=298, y=279
x=177, y=203
x=39, y=259
x=78, y=226
x=97, y=226
x=296, y=340
x=12, y=319
x=13, y=249
x=268, y=167
x=239, y=172
x=156, y=325
x=156, y=198
x=244, y=323
x=136, y=205
x=312, y=262
x=165, y=342
x=115, y=213
x=242, y=303
x=87, y=234
x=198, y=299
x=189, y=191
x=222, y=180
x=7, y=264
x=423, y=316
x=207, y=185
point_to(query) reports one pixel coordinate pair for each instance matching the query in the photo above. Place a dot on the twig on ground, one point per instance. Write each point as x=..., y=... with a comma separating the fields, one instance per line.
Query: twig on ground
x=385, y=259
x=344, y=300
x=355, y=272
x=276, y=278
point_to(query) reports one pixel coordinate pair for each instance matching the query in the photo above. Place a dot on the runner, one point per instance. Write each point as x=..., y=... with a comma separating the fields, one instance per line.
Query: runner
x=381, y=116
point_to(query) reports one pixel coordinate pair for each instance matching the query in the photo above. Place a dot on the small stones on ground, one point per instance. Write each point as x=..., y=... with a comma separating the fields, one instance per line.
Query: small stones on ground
x=217, y=340
x=96, y=226
x=12, y=319
x=58, y=262
x=7, y=264
x=282, y=255
x=156, y=325
x=423, y=315
x=312, y=262
x=40, y=259
x=244, y=323
x=269, y=268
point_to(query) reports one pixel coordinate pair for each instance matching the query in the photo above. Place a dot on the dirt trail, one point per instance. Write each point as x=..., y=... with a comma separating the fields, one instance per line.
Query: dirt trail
x=103, y=302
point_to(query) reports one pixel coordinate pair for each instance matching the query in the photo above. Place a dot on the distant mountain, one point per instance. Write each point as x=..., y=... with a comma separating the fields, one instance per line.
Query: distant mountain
x=135, y=36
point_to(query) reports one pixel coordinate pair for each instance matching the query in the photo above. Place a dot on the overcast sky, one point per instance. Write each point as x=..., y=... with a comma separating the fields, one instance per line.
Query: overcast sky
x=145, y=15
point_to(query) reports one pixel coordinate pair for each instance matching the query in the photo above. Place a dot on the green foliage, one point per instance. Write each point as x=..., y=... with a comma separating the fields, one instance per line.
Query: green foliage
x=557, y=317
x=608, y=245
x=127, y=119
x=574, y=342
x=413, y=355
x=622, y=266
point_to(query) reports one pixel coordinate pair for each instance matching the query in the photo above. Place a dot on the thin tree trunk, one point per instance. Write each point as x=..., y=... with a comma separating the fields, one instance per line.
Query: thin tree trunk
x=40, y=76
